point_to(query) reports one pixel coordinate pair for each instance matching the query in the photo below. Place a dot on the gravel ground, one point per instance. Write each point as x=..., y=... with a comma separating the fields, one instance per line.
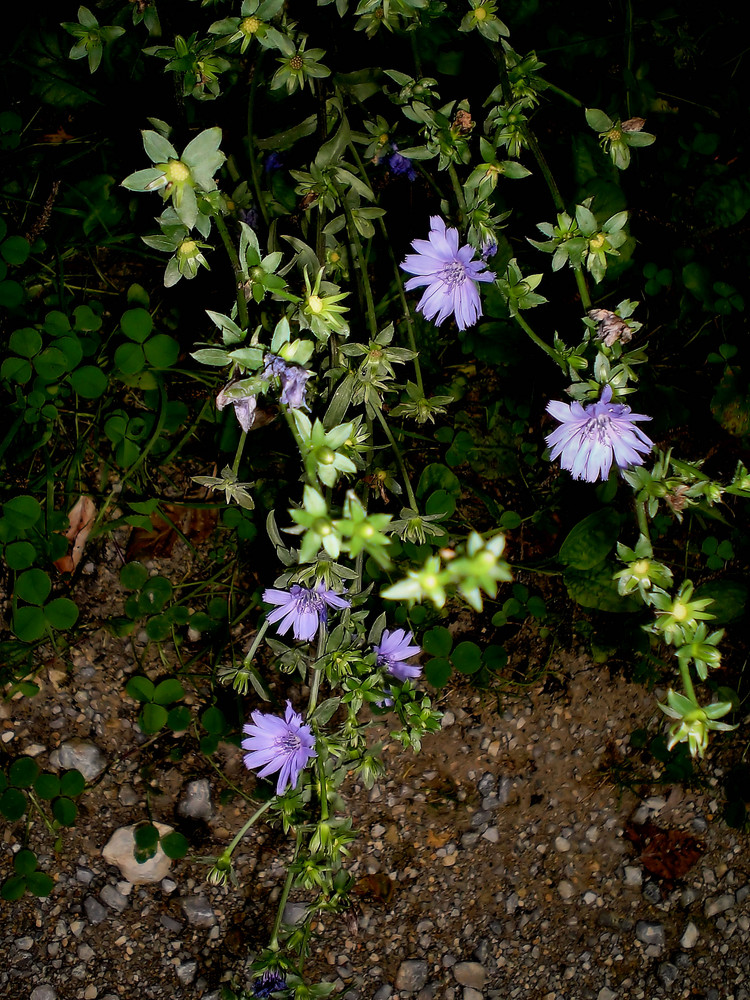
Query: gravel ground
x=493, y=865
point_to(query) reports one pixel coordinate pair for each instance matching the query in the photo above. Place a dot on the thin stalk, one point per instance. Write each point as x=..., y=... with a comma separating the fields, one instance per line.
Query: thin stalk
x=399, y=459
x=687, y=681
x=323, y=789
x=175, y=451
x=255, y=643
x=583, y=288
x=234, y=260
x=238, y=453
x=316, y=672
x=274, y=942
x=355, y=240
x=540, y=343
x=640, y=513
x=459, y=193
x=258, y=813
x=254, y=175
x=565, y=95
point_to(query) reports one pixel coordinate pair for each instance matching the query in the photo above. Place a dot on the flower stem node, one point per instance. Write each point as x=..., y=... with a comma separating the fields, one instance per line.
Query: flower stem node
x=693, y=722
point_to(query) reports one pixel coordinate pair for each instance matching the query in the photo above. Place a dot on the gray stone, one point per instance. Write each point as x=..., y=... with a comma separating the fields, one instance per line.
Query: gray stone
x=487, y=783
x=719, y=904
x=504, y=788
x=690, y=936
x=43, y=993
x=294, y=913
x=383, y=992
x=652, y=892
x=114, y=899
x=471, y=994
x=25, y=943
x=85, y=953
x=633, y=876
x=427, y=992
x=82, y=755
x=95, y=912
x=482, y=950
x=196, y=801
x=186, y=972
x=170, y=923
x=648, y=933
x=198, y=911
x=667, y=974
x=119, y=851
x=605, y=993
x=84, y=875
x=470, y=974
x=562, y=845
x=411, y=975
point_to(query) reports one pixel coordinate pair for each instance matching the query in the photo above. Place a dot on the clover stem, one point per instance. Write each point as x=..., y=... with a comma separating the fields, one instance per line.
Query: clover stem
x=238, y=837
x=234, y=260
x=399, y=458
x=238, y=454
x=540, y=343
x=256, y=642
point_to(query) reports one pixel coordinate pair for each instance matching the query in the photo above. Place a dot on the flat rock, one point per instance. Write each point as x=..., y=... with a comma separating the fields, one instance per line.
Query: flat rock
x=43, y=993
x=119, y=851
x=198, y=911
x=411, y=975
x=471, y=974
x=196, y=801
x=95, y=912
x=690, y=936
x=83, y=755
x=718, y=904
x=650, y=933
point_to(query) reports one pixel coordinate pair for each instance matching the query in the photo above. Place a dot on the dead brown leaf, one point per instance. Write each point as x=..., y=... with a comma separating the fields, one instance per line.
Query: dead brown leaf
x=377, y=887
x=195, y=523
x=666, y=854
x=81, y=519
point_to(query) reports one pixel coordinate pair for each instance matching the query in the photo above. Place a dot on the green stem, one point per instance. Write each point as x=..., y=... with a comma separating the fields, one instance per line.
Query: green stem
x=274, y=942
x=364, y=279
x=254, y=173
x=238, y=453
x=687, y=681
x=583, y=288
x=459, y=193
x=540, y=343
x=256, y=642
x=565, y=95
x=234, y=260
x=323, y=789
x=399, y=458
x=258, y=812
x=316, y=672
x=640, y=513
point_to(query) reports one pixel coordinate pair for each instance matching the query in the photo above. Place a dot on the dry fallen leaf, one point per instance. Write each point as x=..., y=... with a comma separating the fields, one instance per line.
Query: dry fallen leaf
x=195, y=523
x=81, y=519
x=665, y=854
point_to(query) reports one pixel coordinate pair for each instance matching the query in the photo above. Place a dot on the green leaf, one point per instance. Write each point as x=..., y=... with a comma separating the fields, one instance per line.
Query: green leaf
x=47, y=786
x=39, y=883
x=19, y=555
x=13, y=888
x=61, y=614
x=15, y=250
x=467, y=657
x=72, y=783
x=591, y=540
x=133, y=575
x=64, y=810
x=89, y=382
x=598, y=120
x=146, y=836
x=437, y=671
x=159, y=628
x=596, y=588
x=438, y=641
x=324, y=712
x=130, y=359
x=12, y=804
x=29, y=624
x=23, y=772
x=24, y=861
x=22, y=512
x=162, y=351
x=158, y=149
x=168, y=691
x=154, y=595
x=140, y=689
x=214, y=721
x=174, y=845
x=26, y=342
x=152, y=718
x=729, y=597
x=179, y=719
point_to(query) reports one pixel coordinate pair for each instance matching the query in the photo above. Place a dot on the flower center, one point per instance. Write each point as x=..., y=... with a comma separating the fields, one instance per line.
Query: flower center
x=289, y=742
x=250, y=25
x=177, y=172
x=296, y=63
x=453, y=274
x=480, y=13
x=598, y=429
x=679, y=612
x=315, y=304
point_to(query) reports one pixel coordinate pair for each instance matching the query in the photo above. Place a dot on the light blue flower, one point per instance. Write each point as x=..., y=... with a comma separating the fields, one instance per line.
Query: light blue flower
x=392, y=653
x=293, y=380
x=302, y=609
x=449, y=275
x=590, y=437
x=285, y=745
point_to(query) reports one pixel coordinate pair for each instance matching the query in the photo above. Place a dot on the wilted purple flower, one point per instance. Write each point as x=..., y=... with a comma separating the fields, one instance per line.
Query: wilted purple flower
x=273, y=162
x=285, y=745
x=250, y=216
x=589, y=437
x=244, y=408
x=302, y=609
x=400, y=165
x=450, y=275
x=394, y=650
x=489, y=249
x=293, y=380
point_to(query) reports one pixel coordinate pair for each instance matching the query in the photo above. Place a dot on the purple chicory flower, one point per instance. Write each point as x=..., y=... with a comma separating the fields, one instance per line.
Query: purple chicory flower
x=250, y=216
x=273, y=162
x=293, y=380
x=285, y=745
x=393, y=652
x=244, y=409
x=489, y=249
x=450, y=275
x=400, y=165
x=590, y=437
x=303, y=609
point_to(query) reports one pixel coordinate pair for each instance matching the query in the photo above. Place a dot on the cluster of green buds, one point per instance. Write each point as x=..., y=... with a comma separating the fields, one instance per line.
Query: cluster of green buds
x=618, y=137
x=476, y=568
x=581, y=242
x=694, y=723
x=482, y=16
x=299, y=65
x=517, y=290
x=508, y=122
x=197, y=63
x=677, y=617
x=484, y=177
x=677, y=483
x=251, y=24
x=642, y=572
x=91, y=37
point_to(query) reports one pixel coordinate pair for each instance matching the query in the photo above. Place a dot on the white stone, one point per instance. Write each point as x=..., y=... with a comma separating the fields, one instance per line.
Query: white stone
x=690, y=936
x=119, y=849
